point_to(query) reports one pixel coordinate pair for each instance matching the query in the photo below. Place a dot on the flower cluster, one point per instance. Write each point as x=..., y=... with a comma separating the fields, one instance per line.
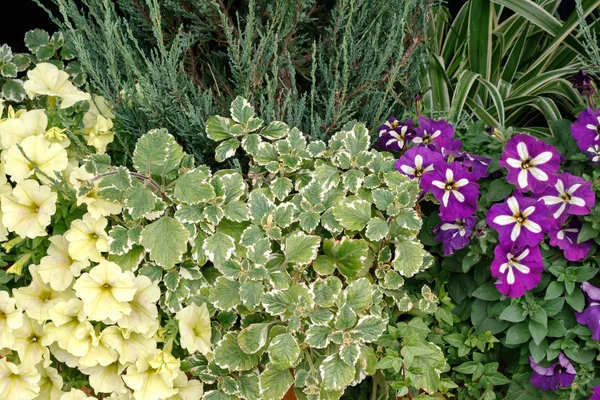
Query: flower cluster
x=436, y=159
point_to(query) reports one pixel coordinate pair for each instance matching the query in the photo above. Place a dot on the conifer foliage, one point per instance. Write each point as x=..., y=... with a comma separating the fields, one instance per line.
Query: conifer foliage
x=313, y=64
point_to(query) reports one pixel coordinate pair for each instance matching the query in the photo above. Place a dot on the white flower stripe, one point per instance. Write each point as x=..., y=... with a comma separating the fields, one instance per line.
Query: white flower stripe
x=541, y=158
x=522, y=151
x=513, y=204
x=538, y=174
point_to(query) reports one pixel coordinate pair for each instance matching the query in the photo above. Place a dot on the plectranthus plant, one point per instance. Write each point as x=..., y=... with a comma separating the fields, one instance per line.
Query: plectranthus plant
x=282, y=274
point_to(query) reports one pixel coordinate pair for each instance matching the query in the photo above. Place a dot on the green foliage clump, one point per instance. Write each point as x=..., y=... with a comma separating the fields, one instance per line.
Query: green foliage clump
x=303, y=256
x=317, y=66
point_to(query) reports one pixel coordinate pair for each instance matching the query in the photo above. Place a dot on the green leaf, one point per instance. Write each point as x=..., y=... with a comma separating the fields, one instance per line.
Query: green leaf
x=275, y=130
x=9, y=70
x=12, y=90
x=248, y=384
x=538, y=331
x=518, y=333
x=130, y=260
x=166, y=241
x=251, y=293
x=587, y=232
x=576, y=300
x=6, y=54
x=193, y=187
x=139, y=201
x=480, y=37
x=254, y=337
x=326, y=290
x=377, y=229
x=358, y=294
x=335, y=373
x=221, y=128
x=317, y=336
x=465, y=82
x=353, y=213
x=218, y=395
x=225, y=294
x=300, y=248
x=284, y=351
x=349, y=256
x=281, y=187
x=229, y=355
x=219, y=247
x=349, y=353
x=241, y=110
x=368, y=328
x=236, y=211
x=409, y=258
x=513, y=313
x=118, y=241
x=36, y=38
x=382, y=198
x=226, y=149
x=346, y=318
x=157, y=152
x=498, y=190
x=274, y=383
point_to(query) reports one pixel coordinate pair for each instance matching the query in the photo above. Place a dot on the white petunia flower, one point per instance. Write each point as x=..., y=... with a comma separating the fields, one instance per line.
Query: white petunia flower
x=47, y=79
x=18, y=382
x=27, y=211
x=87, y=238
x=194, y=327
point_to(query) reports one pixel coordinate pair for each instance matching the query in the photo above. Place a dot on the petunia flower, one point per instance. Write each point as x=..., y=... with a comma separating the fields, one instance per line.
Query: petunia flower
x=569, y=195
x=454, y=235
x=27, y=211
x=98, y=125
x=557, y=375
x=152, y=376
x=477, y=165
x=127, y=343
x=57, y=268
x=76, y=394
x=194, y=327
x=518, y=269
x=96, y=205
x=28, y=123
x=591, y=314
x=50, y=383
x=87, y=238
x=531, y=163
x=38, y=297
x=448, y=147
x=18, y=382
x=586, y=129
x=564, y=236
x=418, y=161
x=187, y=389
x=105, y=379
x=519, y=220
x=65, y=316
x=47, y=79
x=394, y=135
x=595, y=393
x=32, y=341
x=106, y=291
x=430, y=130
x=143, y=317
x=584, y=83
x=593, y=153
x=452, y=185
x=10, y=320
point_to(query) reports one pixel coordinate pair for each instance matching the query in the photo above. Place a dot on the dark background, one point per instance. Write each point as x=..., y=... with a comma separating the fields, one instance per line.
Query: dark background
x=36, y=17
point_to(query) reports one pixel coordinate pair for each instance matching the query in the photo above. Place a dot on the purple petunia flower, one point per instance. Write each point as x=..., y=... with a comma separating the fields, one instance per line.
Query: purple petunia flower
x=559, y=374
x=569, y=195
x=595, y=393
x=531, y=163
x=454, y=235
x=430, y=131
x=447, y=147
x=593, y=153
x=417, y=161
x=452, y=185
x=583, y=82
x=520, y=220
x=564, y=236
x=394, y=135
x=591, y=314
x=518, y=269
x=586, y=129
x=477, y=165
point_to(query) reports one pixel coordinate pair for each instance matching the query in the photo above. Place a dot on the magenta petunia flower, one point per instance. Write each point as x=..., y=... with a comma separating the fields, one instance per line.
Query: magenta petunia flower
x=570, y=194
x=591, y=314
x=520, y=220
x=595, y=393
x=454, y=235
x=586, y=129
x=447, y=147
x=564, y=236
x=559, y=374
x=452, y=185
x=477, y=165
x=531, y=163
x=593, y=153
x=518, y=269
x=430, y=131
x=417, y=161
x=395, y=135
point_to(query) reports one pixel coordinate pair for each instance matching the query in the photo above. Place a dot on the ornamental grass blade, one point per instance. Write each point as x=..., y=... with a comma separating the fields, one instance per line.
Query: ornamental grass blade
x=461, y=92
x=480, y=37
x=496, y=98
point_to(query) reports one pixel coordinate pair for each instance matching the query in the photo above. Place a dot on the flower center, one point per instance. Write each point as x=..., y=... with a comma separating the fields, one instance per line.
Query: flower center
x=520, y=217
x=418, y=172
x=394, y=124
x=526, y=164
x=106, y=286
x=34, y=339
x=427, y=139
x=566, y=197
x=95, y=236
x=449, y=185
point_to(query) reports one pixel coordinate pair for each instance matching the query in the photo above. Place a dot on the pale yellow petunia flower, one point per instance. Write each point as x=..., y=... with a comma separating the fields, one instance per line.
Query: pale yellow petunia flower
x=31, y=341
x=96, y=205
x=47, y=79
x=106, y=291
x=87, y=238
x=48, y=157
x=105, y=379
x=27, y=211
x=50, y=383
x=58, y=268
x=76, y=394
x=194, y=327
x=153, y=375
x=143, y=317
x=29, y=123
x=18, y=382
x=10, y=319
